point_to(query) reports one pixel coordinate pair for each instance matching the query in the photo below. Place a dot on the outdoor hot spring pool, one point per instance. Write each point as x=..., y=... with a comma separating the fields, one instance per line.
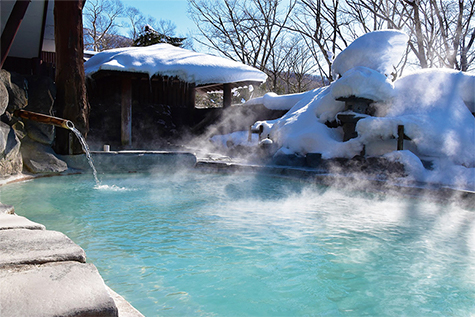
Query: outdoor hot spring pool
x=197, y=244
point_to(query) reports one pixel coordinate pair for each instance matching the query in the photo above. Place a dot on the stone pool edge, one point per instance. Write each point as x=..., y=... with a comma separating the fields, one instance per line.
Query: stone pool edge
x=352, y=181
x=52, y=277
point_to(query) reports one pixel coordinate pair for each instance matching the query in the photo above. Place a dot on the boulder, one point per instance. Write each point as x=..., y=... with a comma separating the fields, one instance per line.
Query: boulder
x=43, y=246
x=41, y=96
x=20, y=129
x=3, y=98
x=40, y=132
x=10, y=158
x=17, y=87
x=40, y=158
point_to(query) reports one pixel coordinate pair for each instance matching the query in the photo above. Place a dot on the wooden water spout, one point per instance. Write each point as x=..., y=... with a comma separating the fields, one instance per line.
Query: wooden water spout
x=43, y=118
x=62, y=123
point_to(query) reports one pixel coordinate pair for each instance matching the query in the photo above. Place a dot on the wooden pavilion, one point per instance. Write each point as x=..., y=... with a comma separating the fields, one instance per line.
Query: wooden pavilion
x=131, y=109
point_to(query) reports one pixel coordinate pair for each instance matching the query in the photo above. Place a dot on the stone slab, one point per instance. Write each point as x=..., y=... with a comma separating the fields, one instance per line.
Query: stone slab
x=8, y=221
x=123, y=306
x=22, y=246
x=54, y=289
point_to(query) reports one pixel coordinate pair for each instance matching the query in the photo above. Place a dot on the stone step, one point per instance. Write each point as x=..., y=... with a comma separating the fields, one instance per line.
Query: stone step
x=22, y=246
x=9, y=221
x=54, y=289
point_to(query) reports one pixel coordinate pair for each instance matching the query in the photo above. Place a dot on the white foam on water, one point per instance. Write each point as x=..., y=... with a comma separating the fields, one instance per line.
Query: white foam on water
x=114, y=188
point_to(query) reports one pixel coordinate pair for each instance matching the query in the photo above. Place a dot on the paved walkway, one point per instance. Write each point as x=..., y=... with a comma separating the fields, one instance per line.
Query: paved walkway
x=44, y=273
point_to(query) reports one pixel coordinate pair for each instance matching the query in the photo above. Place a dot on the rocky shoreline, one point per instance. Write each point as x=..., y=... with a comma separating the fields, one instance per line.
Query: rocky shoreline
x=44, y=273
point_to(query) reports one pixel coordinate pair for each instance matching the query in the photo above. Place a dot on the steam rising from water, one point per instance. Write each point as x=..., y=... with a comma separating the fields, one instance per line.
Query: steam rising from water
x=192, y=244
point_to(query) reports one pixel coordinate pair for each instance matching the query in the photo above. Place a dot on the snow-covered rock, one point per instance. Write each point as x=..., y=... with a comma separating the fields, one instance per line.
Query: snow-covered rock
x=433, y=105
x=273, y=101
x=363, y=82
x=379, y=50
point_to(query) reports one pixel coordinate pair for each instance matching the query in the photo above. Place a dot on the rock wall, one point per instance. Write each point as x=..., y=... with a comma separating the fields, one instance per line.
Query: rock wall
x=11, y=97
x=26, y=144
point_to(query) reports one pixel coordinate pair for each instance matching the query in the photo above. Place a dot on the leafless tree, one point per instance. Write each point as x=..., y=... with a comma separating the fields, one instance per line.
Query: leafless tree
x=248, y=31
x=324, y=28
x=300, y=65
x=441, y=32
x=457, y=32
x=136, y=21
x=101, y=19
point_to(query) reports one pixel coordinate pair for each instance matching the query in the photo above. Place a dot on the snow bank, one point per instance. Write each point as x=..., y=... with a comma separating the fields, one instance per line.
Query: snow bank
x=379, y=50
x=168, y=60
x=433, y=105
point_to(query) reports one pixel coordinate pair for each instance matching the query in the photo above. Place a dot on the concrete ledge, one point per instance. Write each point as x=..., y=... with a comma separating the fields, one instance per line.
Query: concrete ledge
x=54, y=289
x=23, y=246
x=9, y=221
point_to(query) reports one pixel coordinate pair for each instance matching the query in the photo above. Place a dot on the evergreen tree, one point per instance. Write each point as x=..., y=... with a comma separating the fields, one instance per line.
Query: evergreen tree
x=149, y=37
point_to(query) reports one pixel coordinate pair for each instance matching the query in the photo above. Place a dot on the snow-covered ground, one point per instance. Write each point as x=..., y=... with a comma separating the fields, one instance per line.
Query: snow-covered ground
x=433, y=105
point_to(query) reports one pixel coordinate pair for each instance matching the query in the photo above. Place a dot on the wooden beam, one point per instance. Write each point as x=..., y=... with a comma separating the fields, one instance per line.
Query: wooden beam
x=11, y=27
x=126, y=112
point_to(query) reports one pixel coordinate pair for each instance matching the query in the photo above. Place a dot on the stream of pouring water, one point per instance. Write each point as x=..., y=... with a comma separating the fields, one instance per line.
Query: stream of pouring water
x=85, y=147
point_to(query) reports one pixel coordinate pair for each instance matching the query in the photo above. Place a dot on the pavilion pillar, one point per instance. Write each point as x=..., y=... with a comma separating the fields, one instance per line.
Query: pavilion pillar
x=71, y=100
x=126, y=112
x=227, y=96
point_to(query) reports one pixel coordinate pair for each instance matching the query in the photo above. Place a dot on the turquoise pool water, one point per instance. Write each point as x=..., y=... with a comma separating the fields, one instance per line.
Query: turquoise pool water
x=214, y=245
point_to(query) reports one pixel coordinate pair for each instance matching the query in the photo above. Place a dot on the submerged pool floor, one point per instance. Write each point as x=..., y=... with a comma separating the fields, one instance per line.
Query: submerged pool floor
x=215, y=245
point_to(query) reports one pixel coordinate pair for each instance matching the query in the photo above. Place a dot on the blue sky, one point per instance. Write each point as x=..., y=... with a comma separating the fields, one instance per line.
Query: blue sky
x=173, y=10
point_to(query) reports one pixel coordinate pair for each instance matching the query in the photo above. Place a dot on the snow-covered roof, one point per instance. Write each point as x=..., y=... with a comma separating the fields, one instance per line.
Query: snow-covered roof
x=168, y=60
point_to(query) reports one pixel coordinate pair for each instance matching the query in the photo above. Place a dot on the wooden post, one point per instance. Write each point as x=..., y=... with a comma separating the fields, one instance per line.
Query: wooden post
x=227, y=96
x=400, y=137
x=71, y=100
x=190, y=93
x=126, y=112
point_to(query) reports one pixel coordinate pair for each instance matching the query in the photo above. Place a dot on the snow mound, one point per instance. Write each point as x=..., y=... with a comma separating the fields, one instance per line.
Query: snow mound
x=379, y=50
x=431, y=87
x=273, y=101
x=168, y=60
x=363, y=82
